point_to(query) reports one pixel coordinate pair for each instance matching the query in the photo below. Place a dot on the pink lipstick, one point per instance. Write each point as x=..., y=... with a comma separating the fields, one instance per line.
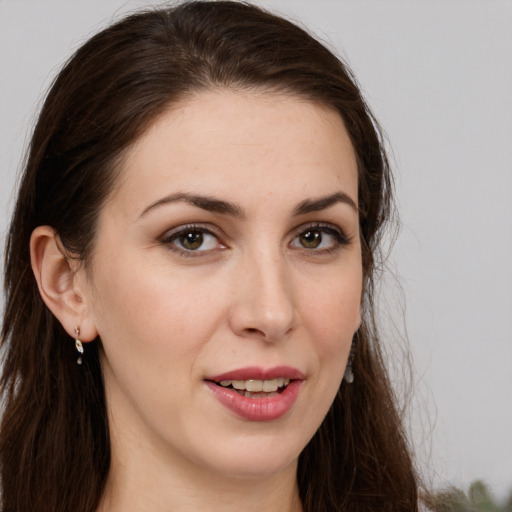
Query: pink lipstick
x=257, y=394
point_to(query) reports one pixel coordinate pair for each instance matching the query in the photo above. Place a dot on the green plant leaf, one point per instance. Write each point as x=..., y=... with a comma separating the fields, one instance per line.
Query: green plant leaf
x=478, y=499
x=481, y=498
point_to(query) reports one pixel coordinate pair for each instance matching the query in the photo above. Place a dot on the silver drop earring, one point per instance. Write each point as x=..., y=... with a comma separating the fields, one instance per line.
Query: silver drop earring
x=348, y=376
x=78, y=345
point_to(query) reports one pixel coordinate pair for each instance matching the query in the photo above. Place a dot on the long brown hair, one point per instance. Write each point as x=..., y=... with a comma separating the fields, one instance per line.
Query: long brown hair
x=54, y=441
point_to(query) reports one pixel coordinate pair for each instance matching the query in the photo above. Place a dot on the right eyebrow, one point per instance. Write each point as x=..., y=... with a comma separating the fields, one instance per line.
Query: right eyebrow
x=207, y=203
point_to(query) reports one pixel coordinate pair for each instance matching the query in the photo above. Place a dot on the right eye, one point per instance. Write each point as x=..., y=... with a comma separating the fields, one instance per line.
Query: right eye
x=192, y=239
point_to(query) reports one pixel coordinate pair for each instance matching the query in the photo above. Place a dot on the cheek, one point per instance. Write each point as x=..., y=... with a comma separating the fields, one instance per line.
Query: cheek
x=153, y=325
x=148, y=311
x=333, y=315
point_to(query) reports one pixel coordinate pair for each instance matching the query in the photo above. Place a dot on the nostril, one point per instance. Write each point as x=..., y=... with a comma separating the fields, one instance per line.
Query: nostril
x=252, y=330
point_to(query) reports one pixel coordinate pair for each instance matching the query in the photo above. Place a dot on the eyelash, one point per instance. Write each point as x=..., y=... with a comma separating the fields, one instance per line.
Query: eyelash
x=170, y=238
x=340, y=238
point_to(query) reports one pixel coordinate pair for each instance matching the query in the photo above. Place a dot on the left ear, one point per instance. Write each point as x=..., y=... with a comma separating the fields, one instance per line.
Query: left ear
x=62, y=283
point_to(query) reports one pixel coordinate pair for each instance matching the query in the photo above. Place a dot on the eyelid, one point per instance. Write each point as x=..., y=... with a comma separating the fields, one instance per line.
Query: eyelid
x=173, y=232
x=328, y=226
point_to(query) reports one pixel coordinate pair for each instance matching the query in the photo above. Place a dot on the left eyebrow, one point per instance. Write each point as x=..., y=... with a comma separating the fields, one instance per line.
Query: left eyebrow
x=322, y=203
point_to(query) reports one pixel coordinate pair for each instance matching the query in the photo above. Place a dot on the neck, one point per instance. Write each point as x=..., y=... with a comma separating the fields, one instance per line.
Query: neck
x=130, y=490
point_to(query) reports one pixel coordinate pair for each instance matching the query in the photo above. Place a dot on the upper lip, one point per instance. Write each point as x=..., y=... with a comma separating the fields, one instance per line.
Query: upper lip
x=258, y=373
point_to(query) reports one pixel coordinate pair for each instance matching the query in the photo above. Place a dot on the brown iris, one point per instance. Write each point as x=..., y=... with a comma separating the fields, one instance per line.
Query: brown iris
x=310, y=239
x=192, y=240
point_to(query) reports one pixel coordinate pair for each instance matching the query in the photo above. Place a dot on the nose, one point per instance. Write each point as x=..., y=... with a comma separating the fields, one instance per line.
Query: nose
x=263, y=299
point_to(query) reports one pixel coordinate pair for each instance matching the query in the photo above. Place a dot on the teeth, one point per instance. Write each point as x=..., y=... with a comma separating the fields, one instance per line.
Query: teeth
x=269, y=385
x=256, y=386
x=238, y=384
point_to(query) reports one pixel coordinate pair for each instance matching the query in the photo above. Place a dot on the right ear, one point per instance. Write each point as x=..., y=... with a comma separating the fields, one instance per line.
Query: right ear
x=55, y=272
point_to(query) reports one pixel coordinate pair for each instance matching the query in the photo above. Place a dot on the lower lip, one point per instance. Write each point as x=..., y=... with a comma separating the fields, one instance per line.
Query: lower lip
x=257, y=409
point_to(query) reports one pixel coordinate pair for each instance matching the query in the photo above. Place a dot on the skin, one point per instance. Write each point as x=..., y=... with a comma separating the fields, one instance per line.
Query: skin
x=253, y=294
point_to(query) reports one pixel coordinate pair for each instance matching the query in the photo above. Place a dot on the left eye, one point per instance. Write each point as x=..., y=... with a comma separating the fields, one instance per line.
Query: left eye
x=193, y=240
x=319, y=238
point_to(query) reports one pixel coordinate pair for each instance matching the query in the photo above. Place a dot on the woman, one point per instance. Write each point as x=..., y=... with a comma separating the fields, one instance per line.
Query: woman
x=189, y=274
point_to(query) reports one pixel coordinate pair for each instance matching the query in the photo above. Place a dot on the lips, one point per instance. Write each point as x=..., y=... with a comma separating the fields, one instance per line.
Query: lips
x=257, y=394
x=257, y=373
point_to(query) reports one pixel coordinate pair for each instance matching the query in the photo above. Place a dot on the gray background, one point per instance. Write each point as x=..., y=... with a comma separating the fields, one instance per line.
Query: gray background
x=438, y=74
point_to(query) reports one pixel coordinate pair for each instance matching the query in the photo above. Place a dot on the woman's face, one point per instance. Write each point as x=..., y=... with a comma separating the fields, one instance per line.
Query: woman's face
x=228, y=256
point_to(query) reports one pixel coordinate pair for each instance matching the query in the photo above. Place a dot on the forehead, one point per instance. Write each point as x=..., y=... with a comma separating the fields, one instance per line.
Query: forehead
x=240, y=143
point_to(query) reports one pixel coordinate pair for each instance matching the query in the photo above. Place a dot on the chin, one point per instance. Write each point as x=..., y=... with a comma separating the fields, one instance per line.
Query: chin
x=260, y=469
x=258, y=461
